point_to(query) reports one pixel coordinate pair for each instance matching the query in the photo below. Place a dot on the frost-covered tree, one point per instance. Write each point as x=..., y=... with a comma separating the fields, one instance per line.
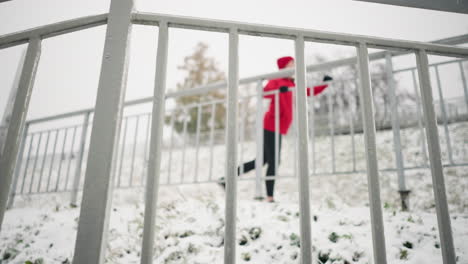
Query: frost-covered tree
x=344, y=95
x=199, y=69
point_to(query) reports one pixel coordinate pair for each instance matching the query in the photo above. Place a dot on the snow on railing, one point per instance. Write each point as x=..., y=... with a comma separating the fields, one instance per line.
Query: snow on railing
x=107, y=120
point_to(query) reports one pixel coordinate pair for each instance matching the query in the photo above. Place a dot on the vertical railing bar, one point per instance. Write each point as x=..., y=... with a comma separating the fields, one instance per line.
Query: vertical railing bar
x=197, y=141
x=353, y=115
x=70, y=158
x=302, y=148
x=6, y=119
x=277, y=132
x=122, y=151
x=444, y=116
x=331, y=124
x=154, y=165
x=367, y=108
x=259, y=140
x=169, y=163
x=294, y=130
x=79, y=161
x=18, y=121
x=213, y=108
x=184, y=136
x=43, y=161
x=61, y=159
x=52, y=159
x=312, y=130
x=145, y=151
x=420, y=117
x=19, y=162
x=28, y=157
x=135, y=136
x=35, y=162
x=242, y=135
x=93, y=223
x=438, y=183
x=465, y=86
x=231, y=149
x=397, y=148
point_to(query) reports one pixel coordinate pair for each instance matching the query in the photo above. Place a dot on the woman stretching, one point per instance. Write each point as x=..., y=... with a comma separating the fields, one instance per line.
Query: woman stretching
x=285, y=103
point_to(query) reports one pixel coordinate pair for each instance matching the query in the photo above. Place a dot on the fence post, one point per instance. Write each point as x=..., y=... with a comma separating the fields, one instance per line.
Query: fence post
x=396, y=134
x=259, y=142
x=76, y=179
x=98, y=186
x=154, y=164
x=231, y=150
x=18, y=119
x=438, y=183
x=367, y=107
x=19, y=162
x=303, y=158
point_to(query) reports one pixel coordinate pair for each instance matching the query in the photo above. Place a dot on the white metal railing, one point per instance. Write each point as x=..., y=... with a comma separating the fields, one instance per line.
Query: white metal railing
x=69, y=144
x=90, y=242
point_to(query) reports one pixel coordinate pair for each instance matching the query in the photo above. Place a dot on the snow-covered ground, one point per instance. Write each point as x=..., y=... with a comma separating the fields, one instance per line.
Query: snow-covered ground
x=190, y=222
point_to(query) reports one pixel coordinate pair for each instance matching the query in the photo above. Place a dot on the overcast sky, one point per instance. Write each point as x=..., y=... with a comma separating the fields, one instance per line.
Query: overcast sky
x=69, y=68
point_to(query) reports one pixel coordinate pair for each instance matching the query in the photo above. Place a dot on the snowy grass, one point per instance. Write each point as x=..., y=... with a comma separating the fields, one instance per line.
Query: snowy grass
x=190, y=222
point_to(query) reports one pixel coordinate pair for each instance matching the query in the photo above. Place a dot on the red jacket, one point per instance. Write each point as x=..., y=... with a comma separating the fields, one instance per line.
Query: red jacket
x=285, y=104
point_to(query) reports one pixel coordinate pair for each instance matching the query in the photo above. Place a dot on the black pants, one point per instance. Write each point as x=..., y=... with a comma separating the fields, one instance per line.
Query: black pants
x=268, y=158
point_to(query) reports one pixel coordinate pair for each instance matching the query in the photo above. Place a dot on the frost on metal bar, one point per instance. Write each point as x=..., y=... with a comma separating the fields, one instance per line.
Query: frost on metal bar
x=438, y=183
x=396, y=134
x=312, y=131
x=135, y=136
x=184, y=136
x=18, y=167
x=122, y=152
x=61, y=160
x=52, y=159
x=465, y=85
x=70, y=158
x=213, y=108
x=444, y=116
x=145, y=151
x=98, y=185
x=290, y=33
x=154, y=164
x=331, y=124
x=420, y=117
x=76, y=178
x=171, y=147
x=35, y=163
x=259, y=140
x=277, y=133
x=242, y=109
x=17, y=124
x=52, y=30
x=26, y=166
x=197, y=139
x=231, y=150
x=303, y=158
x=367, y=107
x=44, y=156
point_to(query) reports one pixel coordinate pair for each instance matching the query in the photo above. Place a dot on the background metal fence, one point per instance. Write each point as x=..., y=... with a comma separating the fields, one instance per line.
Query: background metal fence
x=113, y=149
x=53, y=159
